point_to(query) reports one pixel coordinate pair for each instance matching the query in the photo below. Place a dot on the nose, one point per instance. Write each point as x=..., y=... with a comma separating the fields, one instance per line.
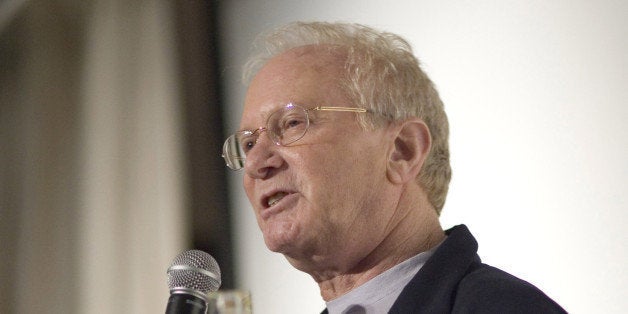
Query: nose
x=262, y=159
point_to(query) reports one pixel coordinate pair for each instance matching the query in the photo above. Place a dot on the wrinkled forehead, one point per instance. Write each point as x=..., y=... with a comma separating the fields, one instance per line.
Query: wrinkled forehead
x=317, y=57
x=308, y=75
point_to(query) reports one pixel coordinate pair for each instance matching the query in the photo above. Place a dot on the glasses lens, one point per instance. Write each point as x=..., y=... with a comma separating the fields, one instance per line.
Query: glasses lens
x=285, y=126
x=232, y=153
x=288, y=124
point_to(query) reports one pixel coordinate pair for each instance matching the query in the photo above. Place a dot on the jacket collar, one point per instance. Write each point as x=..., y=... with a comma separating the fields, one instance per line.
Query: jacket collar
x=434, y=287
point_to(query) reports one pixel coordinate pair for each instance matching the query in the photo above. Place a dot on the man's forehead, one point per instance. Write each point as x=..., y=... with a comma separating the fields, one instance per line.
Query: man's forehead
x=292, y=71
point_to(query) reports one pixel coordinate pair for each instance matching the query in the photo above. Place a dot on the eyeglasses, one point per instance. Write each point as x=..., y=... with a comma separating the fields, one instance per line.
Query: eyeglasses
x=284, y=126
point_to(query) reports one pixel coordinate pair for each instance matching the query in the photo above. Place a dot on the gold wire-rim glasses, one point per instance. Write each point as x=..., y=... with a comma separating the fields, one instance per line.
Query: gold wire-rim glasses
x=235, y=155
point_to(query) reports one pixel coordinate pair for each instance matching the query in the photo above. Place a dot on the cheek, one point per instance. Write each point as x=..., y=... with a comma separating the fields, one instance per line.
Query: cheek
x=249, y=189
x=354, y=185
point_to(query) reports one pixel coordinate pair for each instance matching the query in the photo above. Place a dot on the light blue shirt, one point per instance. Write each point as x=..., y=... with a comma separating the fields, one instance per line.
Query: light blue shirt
x=377, y=295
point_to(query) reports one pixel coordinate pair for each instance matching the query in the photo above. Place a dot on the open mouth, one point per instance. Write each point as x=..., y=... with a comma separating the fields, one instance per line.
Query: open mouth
x=275, y=198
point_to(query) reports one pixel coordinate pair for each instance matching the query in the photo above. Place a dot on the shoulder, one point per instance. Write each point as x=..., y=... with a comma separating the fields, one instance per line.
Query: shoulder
x=487, y=289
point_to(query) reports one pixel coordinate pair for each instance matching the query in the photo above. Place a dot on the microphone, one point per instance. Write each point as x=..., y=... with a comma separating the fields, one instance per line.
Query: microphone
x=191, y=276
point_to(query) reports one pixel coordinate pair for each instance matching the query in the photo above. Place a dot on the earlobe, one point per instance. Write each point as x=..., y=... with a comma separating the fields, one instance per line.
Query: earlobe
x=409, y=151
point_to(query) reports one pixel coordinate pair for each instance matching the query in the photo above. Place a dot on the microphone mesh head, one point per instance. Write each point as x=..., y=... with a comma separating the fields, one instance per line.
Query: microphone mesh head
x=194, y=270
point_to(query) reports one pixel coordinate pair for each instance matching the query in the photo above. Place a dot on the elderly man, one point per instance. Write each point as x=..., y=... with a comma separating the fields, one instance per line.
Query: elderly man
x=344, y=145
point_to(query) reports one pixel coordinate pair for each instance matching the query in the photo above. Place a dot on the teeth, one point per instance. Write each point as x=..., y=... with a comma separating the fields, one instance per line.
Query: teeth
x=276, y=198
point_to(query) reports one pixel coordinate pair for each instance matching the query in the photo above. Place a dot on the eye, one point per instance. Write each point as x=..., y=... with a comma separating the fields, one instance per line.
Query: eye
x=246, y=141
x=291, y=122
x=287, y=124
x=247, y=145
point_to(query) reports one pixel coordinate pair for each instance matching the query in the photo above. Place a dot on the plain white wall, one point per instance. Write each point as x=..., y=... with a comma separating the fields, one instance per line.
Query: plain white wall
x=535, y=92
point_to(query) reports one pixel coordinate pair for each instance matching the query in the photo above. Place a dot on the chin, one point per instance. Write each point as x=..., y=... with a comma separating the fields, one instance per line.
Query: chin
x=282, y=246
x=282, y=237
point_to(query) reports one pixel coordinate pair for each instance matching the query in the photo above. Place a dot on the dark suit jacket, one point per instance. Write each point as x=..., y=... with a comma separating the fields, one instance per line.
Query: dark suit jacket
x=454, y=280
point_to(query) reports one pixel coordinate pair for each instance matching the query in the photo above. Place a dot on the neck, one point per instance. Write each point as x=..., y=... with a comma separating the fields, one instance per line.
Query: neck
x=413, y=230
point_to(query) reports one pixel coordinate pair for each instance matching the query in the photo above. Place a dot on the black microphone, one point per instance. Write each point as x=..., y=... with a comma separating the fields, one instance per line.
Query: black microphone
x=191, y=276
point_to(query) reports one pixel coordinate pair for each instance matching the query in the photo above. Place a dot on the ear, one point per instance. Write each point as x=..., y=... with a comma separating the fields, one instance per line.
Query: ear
x=411, y=145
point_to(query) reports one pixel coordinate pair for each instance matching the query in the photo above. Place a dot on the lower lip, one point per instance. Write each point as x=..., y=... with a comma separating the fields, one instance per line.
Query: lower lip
x=283, y=204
